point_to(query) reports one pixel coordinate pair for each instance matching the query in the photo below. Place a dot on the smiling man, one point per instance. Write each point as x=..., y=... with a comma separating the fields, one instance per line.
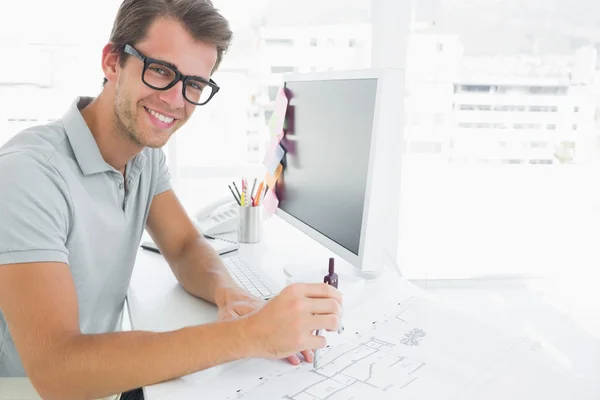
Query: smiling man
x=75, y=197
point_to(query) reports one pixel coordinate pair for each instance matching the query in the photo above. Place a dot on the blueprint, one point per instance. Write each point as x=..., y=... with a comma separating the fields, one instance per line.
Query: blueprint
x=412, y=347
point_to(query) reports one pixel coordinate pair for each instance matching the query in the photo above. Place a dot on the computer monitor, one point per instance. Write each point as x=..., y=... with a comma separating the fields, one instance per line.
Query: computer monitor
x=342, y=167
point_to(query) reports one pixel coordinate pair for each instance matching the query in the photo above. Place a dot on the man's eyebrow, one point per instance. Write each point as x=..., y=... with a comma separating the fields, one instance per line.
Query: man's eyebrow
x=168, y=63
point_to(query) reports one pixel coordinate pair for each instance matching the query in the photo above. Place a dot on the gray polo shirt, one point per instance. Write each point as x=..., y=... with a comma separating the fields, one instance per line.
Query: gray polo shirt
x=60, y=201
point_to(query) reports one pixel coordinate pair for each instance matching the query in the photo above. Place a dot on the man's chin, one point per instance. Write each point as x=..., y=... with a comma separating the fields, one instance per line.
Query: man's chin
x=156, y=144
x=155, y=140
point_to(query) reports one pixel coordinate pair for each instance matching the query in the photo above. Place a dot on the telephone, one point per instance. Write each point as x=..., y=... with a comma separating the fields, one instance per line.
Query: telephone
x=218, y=217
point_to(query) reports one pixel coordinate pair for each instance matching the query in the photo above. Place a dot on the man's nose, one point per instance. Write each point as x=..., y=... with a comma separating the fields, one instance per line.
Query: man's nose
x=173, y=96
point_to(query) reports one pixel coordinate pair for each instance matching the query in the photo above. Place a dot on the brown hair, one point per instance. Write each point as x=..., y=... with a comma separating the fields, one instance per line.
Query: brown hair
x=202, y=20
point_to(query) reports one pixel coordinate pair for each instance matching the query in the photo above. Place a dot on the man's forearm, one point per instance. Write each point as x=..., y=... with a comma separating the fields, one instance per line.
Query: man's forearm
x=200, y=270
x=94, y=366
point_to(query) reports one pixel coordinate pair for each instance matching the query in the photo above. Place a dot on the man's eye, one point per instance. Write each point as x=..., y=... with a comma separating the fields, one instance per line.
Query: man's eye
x=159, y=70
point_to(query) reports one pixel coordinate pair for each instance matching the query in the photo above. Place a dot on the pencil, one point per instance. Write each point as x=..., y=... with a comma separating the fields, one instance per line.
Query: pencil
x=237, y=191
x=258, y=193
x=253, y=186
x=234, y=196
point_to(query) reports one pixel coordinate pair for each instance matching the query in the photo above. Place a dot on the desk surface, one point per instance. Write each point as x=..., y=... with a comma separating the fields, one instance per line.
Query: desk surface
x=156, y=302
x=154, y=295
x=154, y=292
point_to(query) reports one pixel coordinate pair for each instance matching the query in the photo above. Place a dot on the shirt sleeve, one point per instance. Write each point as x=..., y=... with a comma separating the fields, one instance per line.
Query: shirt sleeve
x=34, y=211
x=164, y=177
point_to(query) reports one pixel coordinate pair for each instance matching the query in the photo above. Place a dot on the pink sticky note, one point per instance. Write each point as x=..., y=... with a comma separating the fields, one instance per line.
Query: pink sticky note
x=278, y=117
x=270, y=203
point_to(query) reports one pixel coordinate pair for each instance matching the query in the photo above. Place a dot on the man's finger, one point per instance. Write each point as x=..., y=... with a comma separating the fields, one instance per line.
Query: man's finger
x=330, y=322
x=324, y=306
x=293, y=359
x=319, y=290
x=308, y=355
x=316, y=342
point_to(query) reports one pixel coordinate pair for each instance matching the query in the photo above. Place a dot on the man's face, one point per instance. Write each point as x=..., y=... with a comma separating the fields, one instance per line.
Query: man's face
x=137, y=106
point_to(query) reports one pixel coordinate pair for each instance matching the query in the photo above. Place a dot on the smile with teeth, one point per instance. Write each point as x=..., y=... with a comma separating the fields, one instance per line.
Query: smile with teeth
x=159, y=116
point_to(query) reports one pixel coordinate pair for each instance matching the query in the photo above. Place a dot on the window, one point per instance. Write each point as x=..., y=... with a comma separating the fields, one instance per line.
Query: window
x=314, y=42
x=543, y=109
x=527, y=126
x=49, y=66
x=538, y=82
x=279, y=42
x=472, y=89
x=552, y=90
x=281, y=70
x=542, y=162
x=510, y=108
x=273, y=90
x=475, y=125
x=268, y=115
x=352, y=42
x=539, y=145
x=425, y=147
x=475, y=107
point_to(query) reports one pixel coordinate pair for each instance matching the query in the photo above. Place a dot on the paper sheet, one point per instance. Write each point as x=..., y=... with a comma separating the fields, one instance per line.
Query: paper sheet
x=411, y=347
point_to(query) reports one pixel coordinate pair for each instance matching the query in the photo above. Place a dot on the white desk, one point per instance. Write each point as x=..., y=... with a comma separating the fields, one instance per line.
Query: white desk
x=158, y=303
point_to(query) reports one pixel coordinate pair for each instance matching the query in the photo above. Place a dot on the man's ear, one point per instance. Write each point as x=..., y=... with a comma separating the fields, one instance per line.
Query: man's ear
x=110, y=62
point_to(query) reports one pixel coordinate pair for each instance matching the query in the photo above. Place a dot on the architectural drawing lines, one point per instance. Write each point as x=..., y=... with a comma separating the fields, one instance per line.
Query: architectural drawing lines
x=309, y=387
x=400, y=360
x=416, y=369
x=342, y=355
x=408, y=383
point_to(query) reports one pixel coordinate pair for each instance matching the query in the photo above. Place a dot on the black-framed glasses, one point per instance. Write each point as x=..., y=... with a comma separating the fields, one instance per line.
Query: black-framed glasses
x=160, y=75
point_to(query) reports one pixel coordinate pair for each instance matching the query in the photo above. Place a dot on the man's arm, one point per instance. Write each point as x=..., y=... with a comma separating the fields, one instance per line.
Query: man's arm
x=196, y=265
x=39, y=302
x=194, y=262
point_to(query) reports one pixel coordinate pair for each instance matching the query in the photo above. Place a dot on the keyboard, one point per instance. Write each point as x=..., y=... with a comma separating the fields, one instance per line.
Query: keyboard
x=251, y=277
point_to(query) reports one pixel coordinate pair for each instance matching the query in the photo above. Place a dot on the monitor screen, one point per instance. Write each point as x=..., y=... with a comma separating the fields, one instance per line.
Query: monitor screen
x=327, y=143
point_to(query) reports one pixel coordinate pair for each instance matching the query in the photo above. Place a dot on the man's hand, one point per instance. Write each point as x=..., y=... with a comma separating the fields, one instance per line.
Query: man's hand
x=236, y=302
x=285, y=325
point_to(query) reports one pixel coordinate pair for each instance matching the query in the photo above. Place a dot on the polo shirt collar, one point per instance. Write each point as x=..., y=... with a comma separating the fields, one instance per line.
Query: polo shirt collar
x=82, y=141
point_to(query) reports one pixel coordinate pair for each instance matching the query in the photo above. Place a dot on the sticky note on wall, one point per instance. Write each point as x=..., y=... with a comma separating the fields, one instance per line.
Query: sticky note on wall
x=273, y=158
x=272, y=178
x=277, y=119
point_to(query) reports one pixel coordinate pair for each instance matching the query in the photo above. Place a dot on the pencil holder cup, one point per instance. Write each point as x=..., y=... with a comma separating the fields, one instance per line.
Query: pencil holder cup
x=250, y=226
